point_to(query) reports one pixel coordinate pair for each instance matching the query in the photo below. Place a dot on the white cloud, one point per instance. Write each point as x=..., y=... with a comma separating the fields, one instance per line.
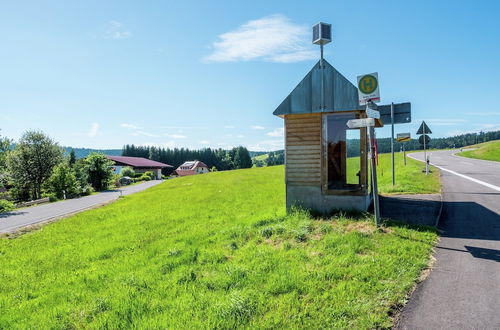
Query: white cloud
x=205, y=142
x=229, y=126
x=272, y=38
x=131, y=126
x=115, y=30
x=240, y=136
x=488, y=113
x=94, y=128
x=257, y=127
x=277, y=132
x=176, y=136
x=143, y=133
x=267, y=145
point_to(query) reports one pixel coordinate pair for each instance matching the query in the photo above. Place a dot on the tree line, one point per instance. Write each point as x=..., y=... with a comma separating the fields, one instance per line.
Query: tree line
x=219, y=159
x=36, y=167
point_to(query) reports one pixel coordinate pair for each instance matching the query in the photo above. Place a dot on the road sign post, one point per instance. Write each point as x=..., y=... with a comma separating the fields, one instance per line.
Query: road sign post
x=371, y=145
x=424, y=139
x=403, y=137
x=392, y=143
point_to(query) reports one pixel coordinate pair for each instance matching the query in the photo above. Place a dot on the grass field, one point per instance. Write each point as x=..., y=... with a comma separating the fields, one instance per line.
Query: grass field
x=487, y=151
x=209, y=251
x=409, y=179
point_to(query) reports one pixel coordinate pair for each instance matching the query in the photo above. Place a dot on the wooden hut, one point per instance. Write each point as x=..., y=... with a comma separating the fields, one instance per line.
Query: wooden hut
x=326, y=165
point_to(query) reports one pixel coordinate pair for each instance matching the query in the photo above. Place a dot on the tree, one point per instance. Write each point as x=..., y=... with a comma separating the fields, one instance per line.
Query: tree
x=63, y=181
x=99, y=170
x=72, y=158
x=4, y=148
x=30, y=164
x=127, y=171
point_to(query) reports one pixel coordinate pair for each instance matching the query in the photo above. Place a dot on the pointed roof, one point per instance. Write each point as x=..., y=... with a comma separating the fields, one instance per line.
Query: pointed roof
x=340, y=93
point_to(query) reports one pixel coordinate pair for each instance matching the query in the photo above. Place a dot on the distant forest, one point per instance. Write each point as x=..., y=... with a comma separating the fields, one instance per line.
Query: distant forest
x=221, y=159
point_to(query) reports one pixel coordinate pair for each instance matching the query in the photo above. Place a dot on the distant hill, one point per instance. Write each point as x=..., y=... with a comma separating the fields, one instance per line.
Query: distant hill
x=84, y=152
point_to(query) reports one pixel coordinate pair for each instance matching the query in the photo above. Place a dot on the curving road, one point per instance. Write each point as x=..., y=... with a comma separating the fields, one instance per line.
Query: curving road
x=12, y=221
x=463, y=289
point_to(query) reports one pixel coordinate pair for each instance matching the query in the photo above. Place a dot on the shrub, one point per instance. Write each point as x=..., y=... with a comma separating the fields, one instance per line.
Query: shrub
x=99, y=170
x=6, y=206
x=144, y=177
x=87, y=190
x=62, y=183
x=52, y=197
x=127, y=171
x=150, y=174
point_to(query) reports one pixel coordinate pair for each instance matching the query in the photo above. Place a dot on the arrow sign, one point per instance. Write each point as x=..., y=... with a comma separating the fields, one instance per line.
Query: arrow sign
x=358, y=123
x=422, y=127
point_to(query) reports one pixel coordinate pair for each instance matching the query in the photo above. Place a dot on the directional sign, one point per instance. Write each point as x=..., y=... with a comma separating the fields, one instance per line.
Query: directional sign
x=422, y=127
x=403, y=137
x=358, y=123
x=422, y=137
x=368, y=88
x=402, y=113
x=372, y=113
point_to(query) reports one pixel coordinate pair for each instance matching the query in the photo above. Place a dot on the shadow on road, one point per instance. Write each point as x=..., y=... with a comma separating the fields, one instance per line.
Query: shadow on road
x=11, y=213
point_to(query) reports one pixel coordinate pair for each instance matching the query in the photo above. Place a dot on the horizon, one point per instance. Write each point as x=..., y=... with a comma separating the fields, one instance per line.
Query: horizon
x=145, y=75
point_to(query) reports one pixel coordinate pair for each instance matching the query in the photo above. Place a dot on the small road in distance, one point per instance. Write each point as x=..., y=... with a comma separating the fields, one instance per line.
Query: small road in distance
x=463, y=288
x=14, y=220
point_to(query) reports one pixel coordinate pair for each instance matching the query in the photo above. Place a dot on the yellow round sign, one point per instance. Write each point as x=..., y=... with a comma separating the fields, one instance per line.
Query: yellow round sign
x=368, y=84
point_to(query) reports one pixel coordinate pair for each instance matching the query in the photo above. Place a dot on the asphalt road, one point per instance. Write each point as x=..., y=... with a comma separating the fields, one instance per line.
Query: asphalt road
x=12, y=221
x=463, y=289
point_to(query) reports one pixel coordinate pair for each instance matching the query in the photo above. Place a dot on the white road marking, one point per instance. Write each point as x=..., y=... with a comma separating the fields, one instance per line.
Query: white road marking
x=486, y=184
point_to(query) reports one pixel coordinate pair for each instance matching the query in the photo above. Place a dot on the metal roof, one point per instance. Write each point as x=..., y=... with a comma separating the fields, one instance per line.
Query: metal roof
x=340, y=93
x=137, y=162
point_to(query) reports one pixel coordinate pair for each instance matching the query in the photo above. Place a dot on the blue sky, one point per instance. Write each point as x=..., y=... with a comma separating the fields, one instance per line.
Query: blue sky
x=102, y=74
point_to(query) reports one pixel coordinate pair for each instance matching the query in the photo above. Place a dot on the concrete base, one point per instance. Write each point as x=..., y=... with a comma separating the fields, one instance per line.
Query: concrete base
x=311, y=197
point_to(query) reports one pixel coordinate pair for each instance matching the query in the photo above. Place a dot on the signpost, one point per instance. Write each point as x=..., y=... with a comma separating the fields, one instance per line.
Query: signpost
x=424, y=139
x=403, y=137
x=359, y=123
x=368, y=88
x=368, y=93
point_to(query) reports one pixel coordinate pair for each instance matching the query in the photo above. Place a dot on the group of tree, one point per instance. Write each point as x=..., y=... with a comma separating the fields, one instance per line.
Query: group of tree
x=273, y=158
x=37, y=167
x=220, y=159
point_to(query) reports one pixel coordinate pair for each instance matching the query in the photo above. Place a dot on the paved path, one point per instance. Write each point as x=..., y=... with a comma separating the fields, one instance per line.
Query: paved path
x=11, y=221
x=463, y=289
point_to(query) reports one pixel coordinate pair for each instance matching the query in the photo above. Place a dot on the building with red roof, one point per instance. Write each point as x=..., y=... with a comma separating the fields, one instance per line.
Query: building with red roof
x=191, y=168
x=139, y=164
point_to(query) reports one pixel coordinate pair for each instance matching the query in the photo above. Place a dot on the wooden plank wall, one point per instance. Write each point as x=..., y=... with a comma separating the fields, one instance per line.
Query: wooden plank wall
x=303, y=149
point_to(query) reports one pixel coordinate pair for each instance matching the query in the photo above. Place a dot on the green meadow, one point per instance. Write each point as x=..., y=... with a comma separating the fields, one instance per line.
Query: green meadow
x=486, y=151
x=210, y=251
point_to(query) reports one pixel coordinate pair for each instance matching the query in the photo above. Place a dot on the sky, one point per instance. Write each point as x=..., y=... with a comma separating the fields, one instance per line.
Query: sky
x=102, y=74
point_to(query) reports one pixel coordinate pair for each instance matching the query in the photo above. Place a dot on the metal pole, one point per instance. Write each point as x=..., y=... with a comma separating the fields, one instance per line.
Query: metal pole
x=322, y=84
x=376, y=207
x=425, y=152
x=404, y=153
x=392, y=143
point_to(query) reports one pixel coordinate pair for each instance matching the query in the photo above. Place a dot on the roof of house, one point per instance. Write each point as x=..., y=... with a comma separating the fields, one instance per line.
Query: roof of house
x=192, y=164
x=184, y=172
x=340, y=93
x=137, y=162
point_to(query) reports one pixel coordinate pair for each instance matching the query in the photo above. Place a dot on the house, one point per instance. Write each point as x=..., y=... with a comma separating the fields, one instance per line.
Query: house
x=191, y=168
x=139, y=164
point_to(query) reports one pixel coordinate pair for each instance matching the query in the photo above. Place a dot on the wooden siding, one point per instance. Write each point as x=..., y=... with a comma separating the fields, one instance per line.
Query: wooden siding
x=303, y=149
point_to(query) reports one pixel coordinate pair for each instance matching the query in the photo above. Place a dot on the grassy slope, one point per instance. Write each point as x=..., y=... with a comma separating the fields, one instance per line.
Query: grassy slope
x=487, y=151
x=409, y=179
x=214, y=250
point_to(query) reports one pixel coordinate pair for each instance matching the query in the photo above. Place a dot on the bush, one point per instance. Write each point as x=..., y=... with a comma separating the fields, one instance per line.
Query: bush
x=150, y=174
x=52, y=197
x=62, y=183
x=127, y=171
x=87, y=190
x=144, y=177
x=6, y=206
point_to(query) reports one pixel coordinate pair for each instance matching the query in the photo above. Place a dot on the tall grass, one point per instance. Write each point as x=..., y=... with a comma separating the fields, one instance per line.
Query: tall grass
x=209, y=251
